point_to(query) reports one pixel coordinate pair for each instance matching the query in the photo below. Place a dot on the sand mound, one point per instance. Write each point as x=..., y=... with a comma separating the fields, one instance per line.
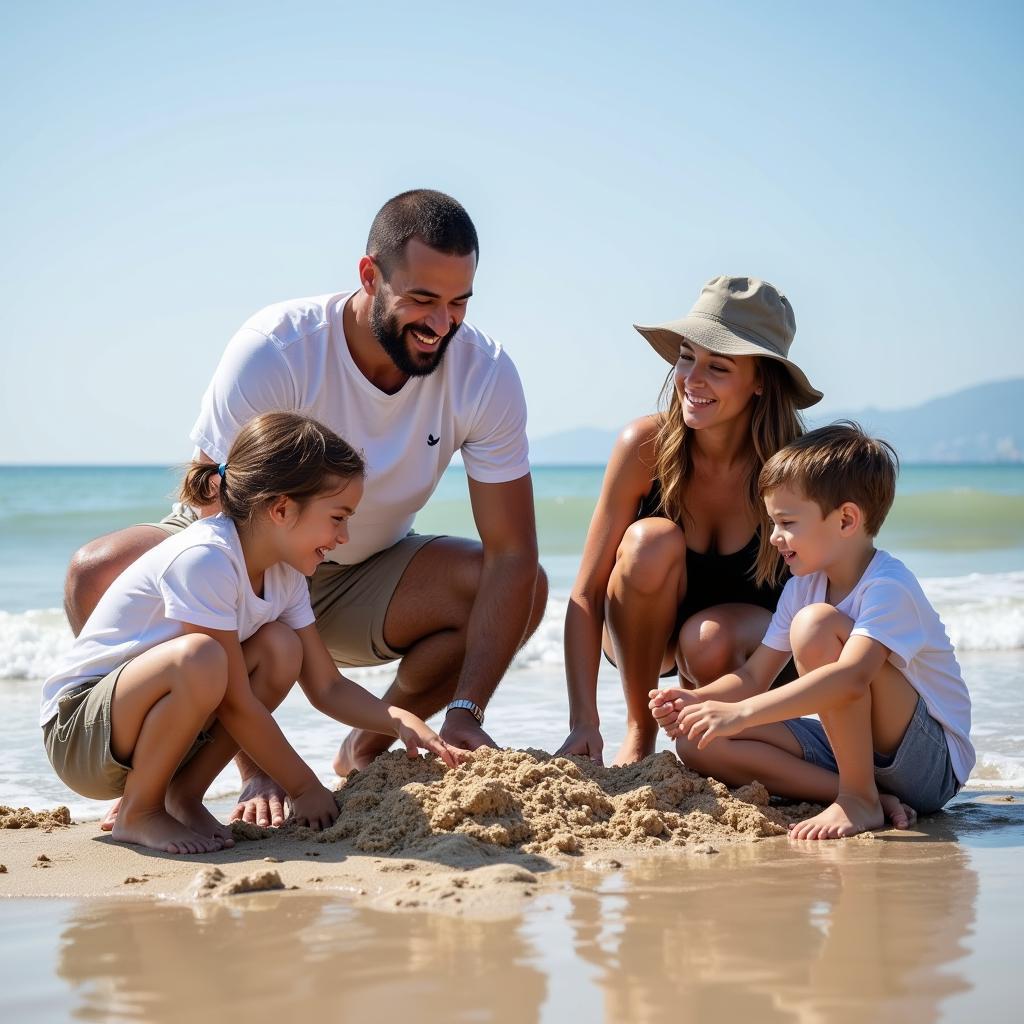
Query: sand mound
x=22, y=817
x=529, y=801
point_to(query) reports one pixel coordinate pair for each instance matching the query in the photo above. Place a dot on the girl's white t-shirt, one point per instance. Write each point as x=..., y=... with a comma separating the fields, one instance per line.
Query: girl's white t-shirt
x=294, y=357
x=198, y=577
x=888, y=605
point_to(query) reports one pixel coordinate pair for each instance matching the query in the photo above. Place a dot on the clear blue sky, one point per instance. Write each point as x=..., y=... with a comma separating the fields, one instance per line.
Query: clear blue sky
x=169, y=170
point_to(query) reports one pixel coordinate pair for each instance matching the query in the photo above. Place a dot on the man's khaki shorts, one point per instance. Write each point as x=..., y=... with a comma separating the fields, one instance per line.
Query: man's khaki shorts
x=77, y=740
x=350, y=602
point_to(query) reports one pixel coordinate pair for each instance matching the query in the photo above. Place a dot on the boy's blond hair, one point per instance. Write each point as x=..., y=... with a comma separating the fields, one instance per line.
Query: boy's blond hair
x=834, y=464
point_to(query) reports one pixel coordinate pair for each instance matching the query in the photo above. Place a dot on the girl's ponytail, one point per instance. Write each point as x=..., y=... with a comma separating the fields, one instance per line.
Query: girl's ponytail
x=202, y=484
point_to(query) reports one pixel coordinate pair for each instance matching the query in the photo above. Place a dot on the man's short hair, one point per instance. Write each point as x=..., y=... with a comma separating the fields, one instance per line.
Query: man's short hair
x=834, y=464
x=436, y=219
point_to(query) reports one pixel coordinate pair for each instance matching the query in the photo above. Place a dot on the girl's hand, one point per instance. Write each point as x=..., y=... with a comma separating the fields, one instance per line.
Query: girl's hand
x=314, y=807
x=417, y=735
x=711, y=720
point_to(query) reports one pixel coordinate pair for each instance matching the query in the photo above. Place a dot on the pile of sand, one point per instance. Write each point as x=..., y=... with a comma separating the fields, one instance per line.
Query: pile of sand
x=529, y=801
x=22, y=817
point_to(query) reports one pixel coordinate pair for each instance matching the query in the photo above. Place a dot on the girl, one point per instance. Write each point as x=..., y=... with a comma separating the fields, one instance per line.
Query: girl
x=678, y=574
x=194, y=645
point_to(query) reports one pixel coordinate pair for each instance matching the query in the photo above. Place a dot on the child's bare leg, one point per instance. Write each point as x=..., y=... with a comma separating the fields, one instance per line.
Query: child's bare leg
x=875, y=721
x=770, y=754
x=273, y=659
x=161, y=700
x=647, y=581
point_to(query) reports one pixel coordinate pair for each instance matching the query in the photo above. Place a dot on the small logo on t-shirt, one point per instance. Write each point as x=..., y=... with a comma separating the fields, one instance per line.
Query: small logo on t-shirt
x=431, y=440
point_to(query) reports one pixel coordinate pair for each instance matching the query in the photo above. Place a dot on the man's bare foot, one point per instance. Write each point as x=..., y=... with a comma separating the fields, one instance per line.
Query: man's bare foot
x=108, y=819
x=635, y=747
x=460, y=729
x=901, y=815
x=355, y=753
x=848, y=816
x=192, y=813
x=261, y=802
x=157, y=830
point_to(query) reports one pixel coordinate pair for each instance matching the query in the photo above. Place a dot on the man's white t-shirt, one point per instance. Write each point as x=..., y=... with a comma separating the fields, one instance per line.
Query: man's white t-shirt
x=294, y=357
x=888, y=605
x=197, y=576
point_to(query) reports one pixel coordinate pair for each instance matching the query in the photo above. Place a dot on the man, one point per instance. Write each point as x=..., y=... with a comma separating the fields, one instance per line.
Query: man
x=393, y=368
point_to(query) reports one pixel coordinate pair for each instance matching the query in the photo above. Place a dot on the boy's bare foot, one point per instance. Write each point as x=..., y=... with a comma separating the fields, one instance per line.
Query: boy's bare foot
x=901, y=815
x=108, y=819
x=157, y=830
x=848, y=816
x=635, y=747
x=191, y=812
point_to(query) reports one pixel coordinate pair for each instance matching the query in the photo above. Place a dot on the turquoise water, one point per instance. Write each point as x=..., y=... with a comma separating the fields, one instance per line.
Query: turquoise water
x=947, y=520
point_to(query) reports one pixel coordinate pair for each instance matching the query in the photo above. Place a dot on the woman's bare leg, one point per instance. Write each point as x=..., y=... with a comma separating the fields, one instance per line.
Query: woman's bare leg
x=644, y=590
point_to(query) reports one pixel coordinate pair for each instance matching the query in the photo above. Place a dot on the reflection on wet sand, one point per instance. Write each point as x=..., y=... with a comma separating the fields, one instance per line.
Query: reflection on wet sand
x=807, y=932
x=898, y=928
x=272, y=954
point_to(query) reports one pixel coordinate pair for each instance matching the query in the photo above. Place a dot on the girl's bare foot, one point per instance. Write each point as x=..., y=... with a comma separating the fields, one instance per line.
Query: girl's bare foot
x=848, y=816
x=191, y=812
x=900, y=814
x=157, y=830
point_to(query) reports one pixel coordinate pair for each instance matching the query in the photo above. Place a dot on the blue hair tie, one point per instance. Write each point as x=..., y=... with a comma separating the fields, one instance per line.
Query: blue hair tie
x=222, y=468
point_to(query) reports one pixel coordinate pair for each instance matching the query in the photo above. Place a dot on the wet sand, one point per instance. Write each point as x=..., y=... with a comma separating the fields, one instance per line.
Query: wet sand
x=916, y=926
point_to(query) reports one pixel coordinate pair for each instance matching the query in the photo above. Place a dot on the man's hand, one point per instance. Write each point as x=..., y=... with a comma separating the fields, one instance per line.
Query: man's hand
x=417, y=735
x=463, y=731
x=315, y=807
x=585, y=740
x=711, y=720
x=261, y=802
x=667, y=705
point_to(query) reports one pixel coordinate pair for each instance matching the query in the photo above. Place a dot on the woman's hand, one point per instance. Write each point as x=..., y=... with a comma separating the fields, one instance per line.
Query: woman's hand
x=585, y=740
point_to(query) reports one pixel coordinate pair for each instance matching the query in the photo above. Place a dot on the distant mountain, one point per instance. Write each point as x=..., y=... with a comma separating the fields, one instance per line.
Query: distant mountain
x=984, y=423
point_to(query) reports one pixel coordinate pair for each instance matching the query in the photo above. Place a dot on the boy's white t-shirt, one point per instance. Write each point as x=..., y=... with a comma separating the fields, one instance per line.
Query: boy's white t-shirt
x=294, y=357
x=197, y=576
x=888, y=605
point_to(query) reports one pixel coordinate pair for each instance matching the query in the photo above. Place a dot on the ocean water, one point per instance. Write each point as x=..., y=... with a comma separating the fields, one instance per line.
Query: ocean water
x=960, y=528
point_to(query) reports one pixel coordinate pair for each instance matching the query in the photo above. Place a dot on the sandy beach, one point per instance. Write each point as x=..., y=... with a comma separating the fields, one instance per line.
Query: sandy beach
x=912, y=925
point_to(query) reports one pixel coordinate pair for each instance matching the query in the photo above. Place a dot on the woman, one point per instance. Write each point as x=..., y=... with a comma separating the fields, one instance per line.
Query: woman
x=677, y=573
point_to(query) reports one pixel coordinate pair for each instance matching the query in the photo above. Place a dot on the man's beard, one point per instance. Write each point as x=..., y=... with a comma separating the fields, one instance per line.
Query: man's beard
x=392, y=339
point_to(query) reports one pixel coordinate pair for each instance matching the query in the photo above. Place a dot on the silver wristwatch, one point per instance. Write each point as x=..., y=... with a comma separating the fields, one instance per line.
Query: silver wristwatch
x=467, y=705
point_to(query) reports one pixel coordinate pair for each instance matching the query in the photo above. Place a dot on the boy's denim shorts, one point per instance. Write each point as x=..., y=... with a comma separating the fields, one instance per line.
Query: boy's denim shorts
x=920, y=773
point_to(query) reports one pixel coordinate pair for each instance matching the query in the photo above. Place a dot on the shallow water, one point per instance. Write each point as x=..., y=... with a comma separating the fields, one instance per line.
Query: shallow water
x=911, y=928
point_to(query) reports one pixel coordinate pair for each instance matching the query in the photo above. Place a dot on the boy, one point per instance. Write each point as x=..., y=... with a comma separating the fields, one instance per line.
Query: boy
x=873, y=657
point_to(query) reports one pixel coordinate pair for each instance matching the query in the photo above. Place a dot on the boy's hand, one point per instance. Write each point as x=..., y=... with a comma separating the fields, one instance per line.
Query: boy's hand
x=667, y=705
x=314, y=807
x=417, y=735
x=710, y=720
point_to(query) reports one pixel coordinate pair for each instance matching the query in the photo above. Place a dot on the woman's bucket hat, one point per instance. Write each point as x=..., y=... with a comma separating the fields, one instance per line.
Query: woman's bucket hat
x=737, y=316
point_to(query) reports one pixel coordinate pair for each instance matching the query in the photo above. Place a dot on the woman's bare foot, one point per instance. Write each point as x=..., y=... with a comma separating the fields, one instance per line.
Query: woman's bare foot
x=901, y=815
x=261, y=802
x=192, y=813
x=848, y=816
x=108, y=819
x=635, y=747
x=157, y=830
